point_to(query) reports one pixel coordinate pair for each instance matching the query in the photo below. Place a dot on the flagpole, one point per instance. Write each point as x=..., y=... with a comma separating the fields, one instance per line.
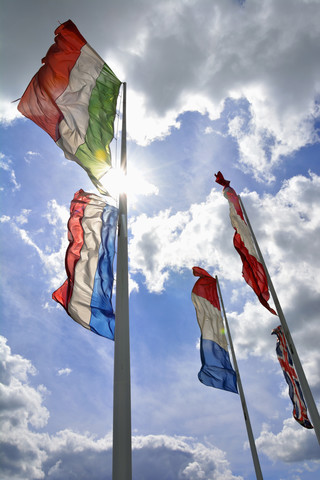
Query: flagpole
x=314, y=414
x=253, y=448
x=122, y=449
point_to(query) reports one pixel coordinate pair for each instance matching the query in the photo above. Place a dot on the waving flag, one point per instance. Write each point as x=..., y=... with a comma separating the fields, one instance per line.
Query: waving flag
x=290, y=374
x=86, y=294
x=252, y=270
x=216, y=368
x=73, y=98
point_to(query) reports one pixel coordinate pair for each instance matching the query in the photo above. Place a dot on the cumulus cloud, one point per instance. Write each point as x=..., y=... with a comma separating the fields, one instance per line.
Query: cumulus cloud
x=168, y=243
x=21, y=409
x=302, y=443
x=173, y=241
x=194, y=55
x=27, y=453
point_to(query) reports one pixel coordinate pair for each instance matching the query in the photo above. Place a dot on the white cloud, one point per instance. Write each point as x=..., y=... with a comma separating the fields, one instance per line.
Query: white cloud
x=30, y=155
x=30, y=454
x=170, y=242
x=51, y=258
x=192, y=57
x=167, y=243
x=23, y=217
x=203, y=234
x=22, y=408
x=64, y=371
x=6, y=164
x=294, y=443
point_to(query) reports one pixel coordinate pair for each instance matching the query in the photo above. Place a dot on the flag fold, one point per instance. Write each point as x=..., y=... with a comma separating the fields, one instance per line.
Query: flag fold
x=216, y=370
x=290, y=374
x=252, y=269
x=86, y=294
x=73, y=97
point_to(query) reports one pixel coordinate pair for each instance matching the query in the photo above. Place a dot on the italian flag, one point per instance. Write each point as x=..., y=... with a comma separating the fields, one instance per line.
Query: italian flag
x=73, y=97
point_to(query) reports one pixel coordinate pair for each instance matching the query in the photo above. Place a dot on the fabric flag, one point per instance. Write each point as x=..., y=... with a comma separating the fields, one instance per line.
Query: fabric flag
x=73, y=98
x=87, y=292
x=252, y=269
x=216, y=370
x=290, y=374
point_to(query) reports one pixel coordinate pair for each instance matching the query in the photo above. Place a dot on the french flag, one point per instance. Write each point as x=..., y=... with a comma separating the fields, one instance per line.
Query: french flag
x=252, y=269
x=216, y=370
x=87, y=292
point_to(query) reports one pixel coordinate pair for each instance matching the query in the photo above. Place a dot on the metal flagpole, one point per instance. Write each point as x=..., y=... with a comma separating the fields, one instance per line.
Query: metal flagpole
x=314, y=414
x=122, y=450
x=254, y=453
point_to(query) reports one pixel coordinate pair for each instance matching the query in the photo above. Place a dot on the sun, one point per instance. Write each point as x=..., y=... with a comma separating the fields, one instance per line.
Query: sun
x=132, y=184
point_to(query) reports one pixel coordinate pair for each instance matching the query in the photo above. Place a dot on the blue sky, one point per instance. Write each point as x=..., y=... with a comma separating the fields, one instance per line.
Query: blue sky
x=212, y=85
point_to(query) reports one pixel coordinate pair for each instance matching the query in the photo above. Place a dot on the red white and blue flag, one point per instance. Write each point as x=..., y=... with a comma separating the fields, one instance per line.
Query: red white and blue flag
x=290, y=374
x=216, y=370
x=86, y=294
x=252, y=270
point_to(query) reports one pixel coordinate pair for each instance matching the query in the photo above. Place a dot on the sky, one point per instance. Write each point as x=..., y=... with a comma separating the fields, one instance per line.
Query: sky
x=211, y=85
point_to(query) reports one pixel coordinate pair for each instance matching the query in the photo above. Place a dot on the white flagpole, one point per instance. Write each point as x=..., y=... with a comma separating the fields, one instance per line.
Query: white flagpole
x=253, y=448
x=122, y=450
x=314, y=414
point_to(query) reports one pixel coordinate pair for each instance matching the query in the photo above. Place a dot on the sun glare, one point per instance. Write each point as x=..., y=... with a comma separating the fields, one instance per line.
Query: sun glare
x=133, y=184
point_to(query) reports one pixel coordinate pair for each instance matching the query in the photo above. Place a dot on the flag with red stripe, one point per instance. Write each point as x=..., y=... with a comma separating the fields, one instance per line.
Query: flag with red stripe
x=252, y=269
x=73, y=97
x=216, y=370
x=87, y=292
x=290, y=374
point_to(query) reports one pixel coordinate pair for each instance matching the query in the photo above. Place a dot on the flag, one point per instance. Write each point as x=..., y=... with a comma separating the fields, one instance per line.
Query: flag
x=216, y=370
x=87, y=292
x=290, y=374
x=73, y=98
x=252, y=269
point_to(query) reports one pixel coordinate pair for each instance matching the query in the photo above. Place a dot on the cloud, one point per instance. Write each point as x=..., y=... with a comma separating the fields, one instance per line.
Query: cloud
x=293, y=214
x=292, y=444
x=193, y=57
x=26, y=453
x=168, y=243
x=30, y=155
x=5, y=164
x=51, y=258
x=21, y=409
x=23, y=217
x=248, y=52
x=64, y=371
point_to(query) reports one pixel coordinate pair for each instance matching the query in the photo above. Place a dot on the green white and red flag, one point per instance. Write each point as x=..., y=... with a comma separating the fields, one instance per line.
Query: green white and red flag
x=73, y=97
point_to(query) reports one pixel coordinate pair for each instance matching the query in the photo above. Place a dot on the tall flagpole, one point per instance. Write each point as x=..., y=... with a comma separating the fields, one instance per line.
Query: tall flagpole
x=122, y=450
x=314, y=414
x=253, y=448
